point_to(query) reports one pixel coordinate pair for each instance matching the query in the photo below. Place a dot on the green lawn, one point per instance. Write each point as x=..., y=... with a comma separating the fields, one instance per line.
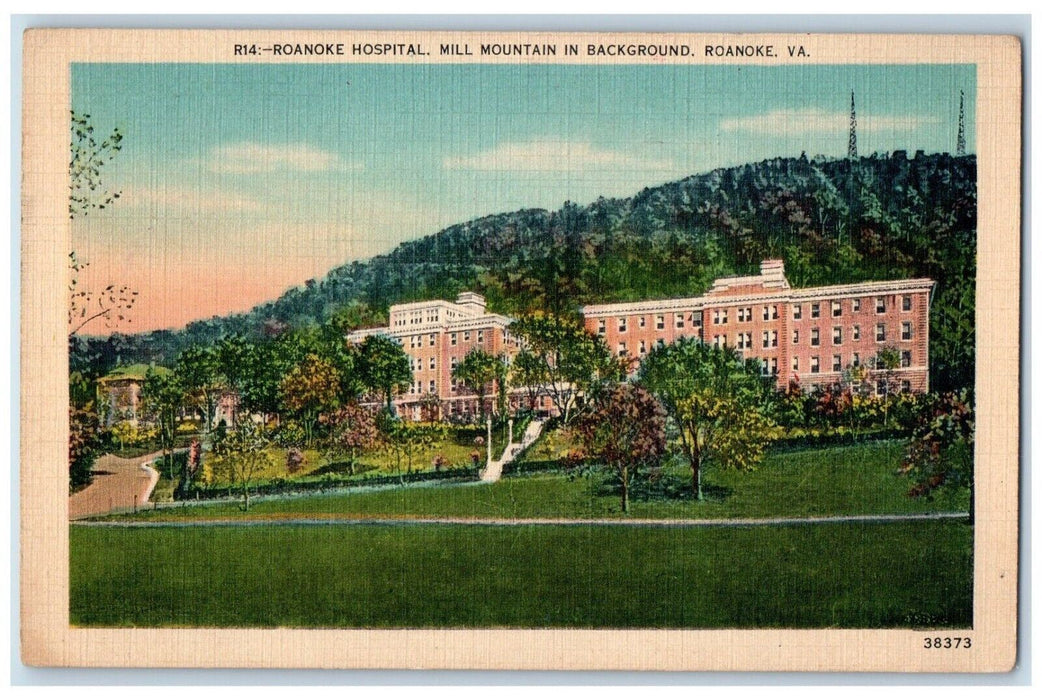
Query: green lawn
x=813, y=576
x=853, y=480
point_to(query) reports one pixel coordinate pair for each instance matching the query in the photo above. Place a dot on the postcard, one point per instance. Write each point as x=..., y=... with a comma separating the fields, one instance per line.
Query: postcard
x=460, y=350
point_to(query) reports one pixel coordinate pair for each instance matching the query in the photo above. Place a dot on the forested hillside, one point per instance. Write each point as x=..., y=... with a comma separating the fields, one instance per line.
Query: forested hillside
x=884, y=216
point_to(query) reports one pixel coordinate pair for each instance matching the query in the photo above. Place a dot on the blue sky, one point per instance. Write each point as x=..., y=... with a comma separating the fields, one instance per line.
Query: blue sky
x=281, y=172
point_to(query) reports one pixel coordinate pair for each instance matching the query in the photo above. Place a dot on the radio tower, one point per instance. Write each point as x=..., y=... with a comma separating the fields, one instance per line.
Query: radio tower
x=852, y=143
x=960, y=140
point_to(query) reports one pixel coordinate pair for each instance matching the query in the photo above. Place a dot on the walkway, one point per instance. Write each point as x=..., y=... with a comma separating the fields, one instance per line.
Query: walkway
x=493, y=471
x=349, y=519
x=119, y=485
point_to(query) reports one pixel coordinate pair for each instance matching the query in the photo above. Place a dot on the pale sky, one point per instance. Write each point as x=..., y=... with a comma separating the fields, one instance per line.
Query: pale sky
x=239, y=181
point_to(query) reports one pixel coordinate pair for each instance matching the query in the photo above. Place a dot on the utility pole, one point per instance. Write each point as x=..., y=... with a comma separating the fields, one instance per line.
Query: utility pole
x=852, y=142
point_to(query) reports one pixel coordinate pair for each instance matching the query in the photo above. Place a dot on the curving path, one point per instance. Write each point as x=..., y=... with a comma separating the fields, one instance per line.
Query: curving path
x=119, y=484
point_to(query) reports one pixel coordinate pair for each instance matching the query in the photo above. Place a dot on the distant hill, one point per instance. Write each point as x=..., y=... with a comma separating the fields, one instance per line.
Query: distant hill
x=832, y=220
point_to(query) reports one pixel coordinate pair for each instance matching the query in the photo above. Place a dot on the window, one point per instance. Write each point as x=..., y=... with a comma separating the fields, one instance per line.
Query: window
x=906, y=302
x=452, y=339
x=745, y=314
x=774, y=339
x=880, y=305
x=680, y=320
x=744, y=340
x=906, y=386
x=855, y=332
x=796, y=337
x=837, y=363
x=906, y=358
x=856, y=361
x=622, y=325
x=815, y=310
x=815, y=365
x=766, y=313
x=880, y=332
x=906, y=330
x=600, y=326
x=433, y=364
x=855, y=305
x=434, y=388
x=837, y=309
x=797, y=312
x=643, y=348
x=660, y=323
x=774, y=312
x=719, y=316
x=837, y=335
x=430, y=339
x=766, y=339
x=660, y=343
x=720, y=341
x=641, y=321
x=622, y=349
x=454, y=362
x=481, y=336
x=774, y=366
x=763, y=366
x=815, y=337
x=795, y=364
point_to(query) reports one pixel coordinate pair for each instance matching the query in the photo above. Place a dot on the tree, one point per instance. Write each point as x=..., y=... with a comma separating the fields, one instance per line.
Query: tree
x=570, y=360
x=351, y=429
x=242, y=455
x=940, y=454
x=626, y=430
x=83, y=444
x=87, y=157
x=717, y=401
x=884, y=363
x=198, y=369
x=384, y=367
x=310, y=387
x=163, y=395
x=479, y=371
x=529, y=372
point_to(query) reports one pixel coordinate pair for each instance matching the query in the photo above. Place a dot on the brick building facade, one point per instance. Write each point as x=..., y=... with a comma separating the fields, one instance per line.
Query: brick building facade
x=811, y=335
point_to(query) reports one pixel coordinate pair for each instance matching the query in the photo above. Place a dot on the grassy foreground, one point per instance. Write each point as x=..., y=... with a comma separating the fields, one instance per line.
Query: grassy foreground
x=837, y=575
x=857, y=480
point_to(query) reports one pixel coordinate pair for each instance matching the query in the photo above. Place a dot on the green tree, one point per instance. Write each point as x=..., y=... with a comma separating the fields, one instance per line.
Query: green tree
x=526, y=370
x=884, y=365
x=571, y=361
x=717, y=401
x=626, y=430
x=242, y=455
x=198, y=369
x=480, y=372
x=84, y=444
x=311, y=387
x=384, y=367
x=163, y=396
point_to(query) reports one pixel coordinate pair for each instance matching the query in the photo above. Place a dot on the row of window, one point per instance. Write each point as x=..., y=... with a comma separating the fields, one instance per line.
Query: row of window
x=769, y=339
x=814, y=366
x=679, y=321
x=745, y=314
x=417, y=387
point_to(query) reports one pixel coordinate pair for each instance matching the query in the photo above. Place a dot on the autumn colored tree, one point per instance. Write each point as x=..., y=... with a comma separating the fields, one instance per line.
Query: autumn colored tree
x=940, y=453
x=571, y=361
x=717, y=400
x=480, y=372
x=352, y=429
x=384, y=366
x=310, y=387
x=626, y=430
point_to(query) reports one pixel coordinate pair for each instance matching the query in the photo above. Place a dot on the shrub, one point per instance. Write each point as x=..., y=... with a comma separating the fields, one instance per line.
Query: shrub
x=295, y=460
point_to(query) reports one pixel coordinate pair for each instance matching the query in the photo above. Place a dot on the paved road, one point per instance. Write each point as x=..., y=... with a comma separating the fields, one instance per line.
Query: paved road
x=119, y=484
x=269, y=521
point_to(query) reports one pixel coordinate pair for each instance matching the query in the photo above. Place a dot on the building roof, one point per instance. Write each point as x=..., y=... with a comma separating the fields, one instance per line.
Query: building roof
x=133, y=372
